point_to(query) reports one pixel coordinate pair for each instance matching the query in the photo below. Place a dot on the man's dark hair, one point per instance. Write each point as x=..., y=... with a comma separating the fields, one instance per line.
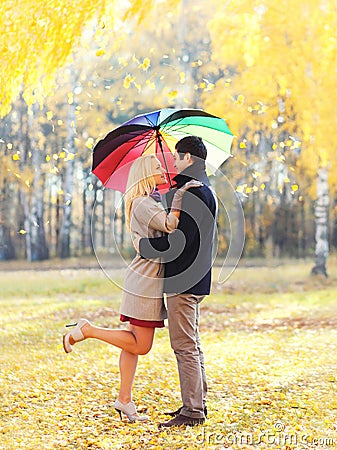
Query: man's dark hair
x=192, y=145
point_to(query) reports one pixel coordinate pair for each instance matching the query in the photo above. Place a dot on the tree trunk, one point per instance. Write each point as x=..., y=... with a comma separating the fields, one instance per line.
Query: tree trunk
x=334, y=228
x=321, y=223
x=7, y=250
x=302, y=231
x=68, y=187
x=87, y=208
x=39, y=250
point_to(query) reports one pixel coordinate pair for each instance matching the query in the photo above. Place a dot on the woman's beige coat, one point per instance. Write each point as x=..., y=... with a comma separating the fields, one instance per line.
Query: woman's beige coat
x=143, y=285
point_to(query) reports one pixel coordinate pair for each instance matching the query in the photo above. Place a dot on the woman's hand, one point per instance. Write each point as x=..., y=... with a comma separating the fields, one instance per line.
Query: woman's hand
x=190, y=184
x=178, y=196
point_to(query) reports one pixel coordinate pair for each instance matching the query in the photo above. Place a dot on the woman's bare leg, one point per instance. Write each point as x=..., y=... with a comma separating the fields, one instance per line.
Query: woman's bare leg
x=136, y=340
x=127, y=369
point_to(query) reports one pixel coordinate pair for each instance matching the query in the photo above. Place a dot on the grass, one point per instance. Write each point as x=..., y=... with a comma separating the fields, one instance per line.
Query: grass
x=269, y=335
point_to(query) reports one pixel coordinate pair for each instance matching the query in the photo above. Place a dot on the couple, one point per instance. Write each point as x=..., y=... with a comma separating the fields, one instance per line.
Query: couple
x=174, y=256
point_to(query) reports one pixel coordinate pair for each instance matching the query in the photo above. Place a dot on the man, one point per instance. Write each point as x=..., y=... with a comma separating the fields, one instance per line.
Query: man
x=187, y=254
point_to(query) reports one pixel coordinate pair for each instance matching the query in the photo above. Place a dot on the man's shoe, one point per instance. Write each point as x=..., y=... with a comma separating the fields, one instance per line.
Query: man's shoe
x=181, y=420
x=178, y=411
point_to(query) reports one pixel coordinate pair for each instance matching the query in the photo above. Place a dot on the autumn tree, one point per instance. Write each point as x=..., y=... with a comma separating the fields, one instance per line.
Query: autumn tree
x=38, y=38
x=280, y=72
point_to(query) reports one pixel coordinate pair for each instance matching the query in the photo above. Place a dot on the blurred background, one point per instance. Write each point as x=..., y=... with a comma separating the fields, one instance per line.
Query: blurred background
x=71, y=73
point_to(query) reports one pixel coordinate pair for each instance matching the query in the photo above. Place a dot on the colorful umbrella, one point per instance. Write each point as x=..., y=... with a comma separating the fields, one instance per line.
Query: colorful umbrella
x=157, y=132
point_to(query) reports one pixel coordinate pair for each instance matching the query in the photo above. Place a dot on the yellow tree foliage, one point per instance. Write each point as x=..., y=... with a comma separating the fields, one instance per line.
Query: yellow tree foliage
x=282, y=57
x=37, y=38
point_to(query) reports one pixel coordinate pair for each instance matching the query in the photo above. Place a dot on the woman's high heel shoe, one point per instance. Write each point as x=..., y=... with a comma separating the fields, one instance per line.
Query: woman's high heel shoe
x=76, y=334
x=129, y=409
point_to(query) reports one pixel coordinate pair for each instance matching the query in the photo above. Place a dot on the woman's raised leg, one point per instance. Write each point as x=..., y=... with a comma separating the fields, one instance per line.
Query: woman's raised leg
x=136, y=340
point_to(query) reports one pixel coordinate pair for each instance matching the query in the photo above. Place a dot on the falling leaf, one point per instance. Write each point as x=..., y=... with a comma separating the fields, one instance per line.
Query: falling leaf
x=49, y=115
x=22, y=231
x=89, y=143
x=127, y=81
x=210, y=86
x=16, y=157
x=173, y=94
x=100, y=52
x=241, y=188
x=243, y=163
x=145, y=64
x=240, y=99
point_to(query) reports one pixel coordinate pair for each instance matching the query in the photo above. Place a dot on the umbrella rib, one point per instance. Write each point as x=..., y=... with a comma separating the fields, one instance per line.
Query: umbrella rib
x=150, y=122
x=137, y=144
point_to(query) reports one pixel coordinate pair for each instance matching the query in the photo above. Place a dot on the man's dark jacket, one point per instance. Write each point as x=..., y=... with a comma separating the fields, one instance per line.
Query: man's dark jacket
x=187, y=252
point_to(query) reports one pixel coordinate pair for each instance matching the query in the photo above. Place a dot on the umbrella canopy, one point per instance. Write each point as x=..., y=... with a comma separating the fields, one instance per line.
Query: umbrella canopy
x=157, y=133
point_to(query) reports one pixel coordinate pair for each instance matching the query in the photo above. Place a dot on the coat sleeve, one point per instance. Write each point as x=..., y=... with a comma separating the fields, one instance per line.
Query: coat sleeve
x=153, y=215
x=194, y=212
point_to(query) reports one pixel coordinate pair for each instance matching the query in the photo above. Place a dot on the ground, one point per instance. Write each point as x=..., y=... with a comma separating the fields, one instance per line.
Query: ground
x=269, y=335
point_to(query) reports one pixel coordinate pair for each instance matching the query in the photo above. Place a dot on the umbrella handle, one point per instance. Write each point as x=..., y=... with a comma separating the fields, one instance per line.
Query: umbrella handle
x=162, y=150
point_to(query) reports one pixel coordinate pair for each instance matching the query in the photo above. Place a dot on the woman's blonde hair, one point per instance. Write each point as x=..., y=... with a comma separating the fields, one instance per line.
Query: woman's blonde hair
x=140, y=182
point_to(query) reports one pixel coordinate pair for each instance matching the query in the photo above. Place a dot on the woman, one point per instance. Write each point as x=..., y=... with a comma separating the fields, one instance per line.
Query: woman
x=142, y=301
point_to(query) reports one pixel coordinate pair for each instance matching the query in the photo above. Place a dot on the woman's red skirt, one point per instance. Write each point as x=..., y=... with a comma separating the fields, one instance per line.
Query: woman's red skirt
x=143, y=323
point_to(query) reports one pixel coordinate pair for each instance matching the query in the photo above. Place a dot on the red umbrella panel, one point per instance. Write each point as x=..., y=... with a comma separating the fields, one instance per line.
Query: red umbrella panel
x=118, y=179
x=112, y=166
